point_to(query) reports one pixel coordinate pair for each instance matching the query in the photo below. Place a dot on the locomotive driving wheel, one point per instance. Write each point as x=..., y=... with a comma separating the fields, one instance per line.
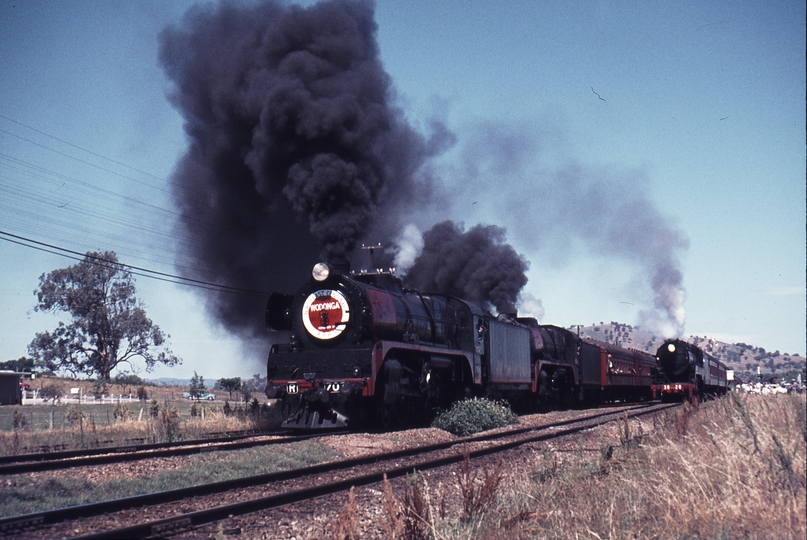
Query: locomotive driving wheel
x=402, y=412
x=398, y=414
x=386, y=415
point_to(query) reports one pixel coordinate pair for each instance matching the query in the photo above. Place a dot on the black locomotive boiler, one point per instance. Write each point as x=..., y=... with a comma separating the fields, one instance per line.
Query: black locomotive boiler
x=687, y=371
x=360, y=349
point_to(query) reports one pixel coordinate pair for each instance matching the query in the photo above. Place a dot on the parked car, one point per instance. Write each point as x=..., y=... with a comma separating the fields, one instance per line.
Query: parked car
x=209, y=397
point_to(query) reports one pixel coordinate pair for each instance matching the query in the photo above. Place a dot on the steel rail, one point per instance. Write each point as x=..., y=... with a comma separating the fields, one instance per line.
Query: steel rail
x=48, y=455
x=121, y=454
x=121, y=448
x=221, y=437
x=162, y=528
x=16, y=524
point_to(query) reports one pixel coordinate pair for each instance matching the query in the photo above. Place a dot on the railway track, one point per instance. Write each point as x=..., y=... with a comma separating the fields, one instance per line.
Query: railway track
x=64, y=459
x=270, y=490
x=48, y=453
x=40, y=462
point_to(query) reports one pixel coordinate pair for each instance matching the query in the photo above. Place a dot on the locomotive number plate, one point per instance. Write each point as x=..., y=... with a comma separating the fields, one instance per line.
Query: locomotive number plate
x=292, y=388
x=333, y=387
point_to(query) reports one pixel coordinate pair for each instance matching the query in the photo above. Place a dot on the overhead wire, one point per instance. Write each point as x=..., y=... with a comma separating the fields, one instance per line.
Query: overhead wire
x=80, y=148
x=136, y=270
x=42, y=207
x=96, y=154
x=70, y=217
x=64, y=177
x=71, y=204
x=82, y=160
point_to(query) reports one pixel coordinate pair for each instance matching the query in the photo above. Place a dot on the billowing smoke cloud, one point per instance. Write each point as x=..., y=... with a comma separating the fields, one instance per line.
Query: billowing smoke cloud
x=611, y=211
x=295, y=150
x=476, y=265
x=669, y=296
x=555, y=210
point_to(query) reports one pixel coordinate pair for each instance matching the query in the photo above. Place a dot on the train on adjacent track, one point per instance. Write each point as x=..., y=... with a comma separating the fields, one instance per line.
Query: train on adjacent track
x=686, y=371
x=360, y=350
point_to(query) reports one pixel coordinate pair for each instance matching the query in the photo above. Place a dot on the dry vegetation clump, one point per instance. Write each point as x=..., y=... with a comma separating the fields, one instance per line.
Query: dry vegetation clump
x=729, y=468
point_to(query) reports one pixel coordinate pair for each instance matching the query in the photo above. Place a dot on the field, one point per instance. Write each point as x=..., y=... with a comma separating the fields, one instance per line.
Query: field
x=165, y=416
x=38, y=417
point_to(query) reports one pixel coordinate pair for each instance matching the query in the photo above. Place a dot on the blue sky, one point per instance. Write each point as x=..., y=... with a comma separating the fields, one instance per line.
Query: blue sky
x=698, y=107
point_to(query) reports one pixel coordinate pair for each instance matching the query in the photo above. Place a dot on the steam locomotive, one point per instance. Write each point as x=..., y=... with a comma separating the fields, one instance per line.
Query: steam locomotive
x=687, y=371
x=361, y=350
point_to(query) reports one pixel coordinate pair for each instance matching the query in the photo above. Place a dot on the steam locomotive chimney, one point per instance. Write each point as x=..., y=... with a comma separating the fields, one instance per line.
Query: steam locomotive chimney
x=341, y=264
x=372, y=249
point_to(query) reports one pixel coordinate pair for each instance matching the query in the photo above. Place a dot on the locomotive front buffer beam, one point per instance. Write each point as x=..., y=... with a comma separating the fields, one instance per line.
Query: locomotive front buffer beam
x=316, y=404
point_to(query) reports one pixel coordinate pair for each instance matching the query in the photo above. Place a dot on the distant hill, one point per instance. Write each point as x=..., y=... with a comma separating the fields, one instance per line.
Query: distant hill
x=742, y=358
x=256, y=382
x=168, y=381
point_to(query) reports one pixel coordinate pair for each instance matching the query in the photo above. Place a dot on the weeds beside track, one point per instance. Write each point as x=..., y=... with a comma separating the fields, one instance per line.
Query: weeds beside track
x=162, y=527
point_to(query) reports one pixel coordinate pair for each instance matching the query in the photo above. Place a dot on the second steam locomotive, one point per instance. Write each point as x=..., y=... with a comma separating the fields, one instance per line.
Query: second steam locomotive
x=357, y=350
x=687, y=371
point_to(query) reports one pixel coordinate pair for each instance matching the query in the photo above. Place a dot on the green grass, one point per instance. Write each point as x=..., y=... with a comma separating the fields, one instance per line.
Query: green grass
x=22, y=494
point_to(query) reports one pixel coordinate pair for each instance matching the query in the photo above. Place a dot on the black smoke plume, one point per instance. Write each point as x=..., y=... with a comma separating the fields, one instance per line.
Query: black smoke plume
x=476, y=265
x=295, y=149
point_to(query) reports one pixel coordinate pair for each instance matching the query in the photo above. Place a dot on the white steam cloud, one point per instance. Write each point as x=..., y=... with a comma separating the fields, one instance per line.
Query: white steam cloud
x=408, y=249
x=530, y=306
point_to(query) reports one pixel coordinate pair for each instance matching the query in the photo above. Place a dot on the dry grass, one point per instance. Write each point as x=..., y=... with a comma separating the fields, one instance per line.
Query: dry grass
x=479, y=489
x=730, y=468
x=347, y=524
x=148, y=423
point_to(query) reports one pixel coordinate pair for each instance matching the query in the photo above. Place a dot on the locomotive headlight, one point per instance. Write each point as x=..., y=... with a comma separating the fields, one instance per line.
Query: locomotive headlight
x=320, y=272
x=671, y=347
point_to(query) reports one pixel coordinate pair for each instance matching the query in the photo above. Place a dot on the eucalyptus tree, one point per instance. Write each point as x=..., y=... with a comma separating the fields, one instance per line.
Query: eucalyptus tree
x=108, y=325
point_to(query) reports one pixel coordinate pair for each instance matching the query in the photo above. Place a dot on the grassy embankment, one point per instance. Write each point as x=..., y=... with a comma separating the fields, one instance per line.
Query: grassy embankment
x=730, y=468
